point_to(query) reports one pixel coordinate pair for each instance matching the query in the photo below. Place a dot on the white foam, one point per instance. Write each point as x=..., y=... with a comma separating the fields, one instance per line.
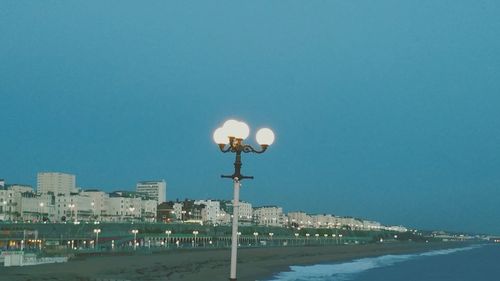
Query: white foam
x=346, y=271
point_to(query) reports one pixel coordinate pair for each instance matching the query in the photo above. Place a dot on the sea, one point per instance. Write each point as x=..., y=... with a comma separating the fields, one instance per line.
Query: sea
x=470, y=263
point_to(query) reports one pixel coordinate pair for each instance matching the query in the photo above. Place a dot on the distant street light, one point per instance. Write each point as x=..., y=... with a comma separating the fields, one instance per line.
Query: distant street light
x=168, y=232
x=131, y=209
x=41, y=211
x=230, y=138
x=195, y=234
x=72, y=207
x=93, y=209
x=97, y=231
x=255, y=234
x=135, y=231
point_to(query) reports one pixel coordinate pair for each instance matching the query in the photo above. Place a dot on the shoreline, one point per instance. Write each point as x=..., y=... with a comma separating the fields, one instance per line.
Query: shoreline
x=209, y=264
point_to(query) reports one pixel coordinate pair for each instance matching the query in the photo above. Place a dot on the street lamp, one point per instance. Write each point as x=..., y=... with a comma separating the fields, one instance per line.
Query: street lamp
x=41, y=211
x=131, y=209
x=135, y=231
x=195, y=234
x=72, y=207
x=97, y=231
x=296, y=236
x=271, y=236
x=255, y=234
x=230, y=138
x=168, y=232
x=93, y=209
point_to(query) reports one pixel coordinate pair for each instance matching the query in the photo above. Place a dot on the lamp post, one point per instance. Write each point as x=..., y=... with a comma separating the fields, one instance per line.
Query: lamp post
x=230, y=138
x=41, y=211
x=135, y=231
x=97, y=231
x=93, y=209
x=238, y=234
x=307, y=238
x=256, y=234
x=72, y=207
x=296, y=236
x=168, y=232
x=271, y=237
x=131, y=209
x=195, y=234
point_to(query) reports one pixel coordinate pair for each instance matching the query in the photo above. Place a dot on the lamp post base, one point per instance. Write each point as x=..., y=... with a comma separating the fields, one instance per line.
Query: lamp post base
x=232, y=279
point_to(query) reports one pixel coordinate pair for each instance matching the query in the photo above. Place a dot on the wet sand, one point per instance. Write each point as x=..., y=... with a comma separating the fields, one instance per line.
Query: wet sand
x=205, y=264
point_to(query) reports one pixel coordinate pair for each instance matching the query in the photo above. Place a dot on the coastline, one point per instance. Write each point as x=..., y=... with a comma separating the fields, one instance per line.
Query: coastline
x=208, y=264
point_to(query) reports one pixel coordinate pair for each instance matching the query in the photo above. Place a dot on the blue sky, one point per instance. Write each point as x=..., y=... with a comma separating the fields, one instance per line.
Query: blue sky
x=387, y=110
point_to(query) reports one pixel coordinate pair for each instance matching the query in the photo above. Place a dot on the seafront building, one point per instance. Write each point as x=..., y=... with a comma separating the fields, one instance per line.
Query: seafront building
x=156, y=190
x=56, y=183
x=58, y=199
x=269, y=216
x=245, y=211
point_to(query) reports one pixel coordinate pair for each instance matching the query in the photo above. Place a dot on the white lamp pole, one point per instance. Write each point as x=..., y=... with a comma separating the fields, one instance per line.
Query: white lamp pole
x=135, y=231
x=230, y=138
x=195, y=233
x=168, y=232
x=41, y=211
x=97, y=231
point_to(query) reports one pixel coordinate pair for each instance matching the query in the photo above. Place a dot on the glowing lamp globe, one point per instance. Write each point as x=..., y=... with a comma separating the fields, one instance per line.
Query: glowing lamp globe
x=242, y=131
x=231, y=126
x=220, y=136
x=265, y=137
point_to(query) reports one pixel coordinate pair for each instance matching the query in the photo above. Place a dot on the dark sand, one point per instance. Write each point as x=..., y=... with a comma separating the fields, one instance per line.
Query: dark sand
x=190, y=265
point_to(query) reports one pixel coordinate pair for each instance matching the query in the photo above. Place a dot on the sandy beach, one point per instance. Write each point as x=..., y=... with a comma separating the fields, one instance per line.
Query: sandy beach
x=191, y=265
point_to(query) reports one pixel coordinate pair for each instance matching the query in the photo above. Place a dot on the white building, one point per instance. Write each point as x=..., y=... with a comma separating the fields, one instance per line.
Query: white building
x=323, y=221
x=178, y=210
x=30, y=207
x=371, y=225
x=299, y=219
x=123, y=206
x=148, y=210
x=9, y=204
x=20, y=188
x=269, y=216
x=57, y=183
x=98, y=202
x=397, y=228
x=153, y=189
x=245, y=211
x=211, y=212
x=73, y=207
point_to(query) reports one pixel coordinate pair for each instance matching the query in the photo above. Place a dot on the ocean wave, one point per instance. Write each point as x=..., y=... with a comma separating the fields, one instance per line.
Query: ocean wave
x=347, y=270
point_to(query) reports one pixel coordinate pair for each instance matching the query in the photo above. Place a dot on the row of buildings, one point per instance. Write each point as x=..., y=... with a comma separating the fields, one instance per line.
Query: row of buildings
x=219, y=212
x=57, y=199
